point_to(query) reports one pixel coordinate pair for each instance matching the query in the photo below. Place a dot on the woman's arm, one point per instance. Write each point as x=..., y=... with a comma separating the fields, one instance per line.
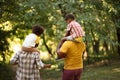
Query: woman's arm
x=30, y=49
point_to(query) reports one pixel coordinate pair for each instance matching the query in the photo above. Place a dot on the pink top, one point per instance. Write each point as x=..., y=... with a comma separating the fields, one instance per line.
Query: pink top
x=75, y=29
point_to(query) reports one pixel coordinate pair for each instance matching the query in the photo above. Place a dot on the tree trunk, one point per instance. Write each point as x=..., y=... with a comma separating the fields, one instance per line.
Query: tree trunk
x=96, y=47
x=3, y=56
x=117, y=24
x=105, y=46
x=48, y=49
x=95, y=44
x=118, y=37
x=87, y=50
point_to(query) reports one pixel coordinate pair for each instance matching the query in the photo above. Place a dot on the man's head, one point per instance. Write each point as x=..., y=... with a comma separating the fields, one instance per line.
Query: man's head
x=38, y=30
x=69, y=18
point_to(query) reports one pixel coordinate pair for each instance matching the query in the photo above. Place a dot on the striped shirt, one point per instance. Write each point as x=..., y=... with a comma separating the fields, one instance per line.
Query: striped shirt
x=28, y=65
x=75, y=29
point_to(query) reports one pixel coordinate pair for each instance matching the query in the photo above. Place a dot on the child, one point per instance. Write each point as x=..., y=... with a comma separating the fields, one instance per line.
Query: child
x=32, y=40
x=74, y=30
x=29, y=62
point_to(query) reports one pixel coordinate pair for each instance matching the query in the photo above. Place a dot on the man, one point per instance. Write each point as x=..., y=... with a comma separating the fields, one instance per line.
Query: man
x=29, y=61
x=71, y=48
x=73, y=63
x=74, y=30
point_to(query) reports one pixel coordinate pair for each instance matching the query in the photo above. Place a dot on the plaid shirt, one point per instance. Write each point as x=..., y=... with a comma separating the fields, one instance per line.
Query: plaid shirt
x=28, y=65
x=75, y=29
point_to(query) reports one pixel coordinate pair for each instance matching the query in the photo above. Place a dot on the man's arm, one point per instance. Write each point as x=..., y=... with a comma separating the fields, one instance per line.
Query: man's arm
x=30, y=49
x=61, y=54
x=14, y=59
x=40, y=63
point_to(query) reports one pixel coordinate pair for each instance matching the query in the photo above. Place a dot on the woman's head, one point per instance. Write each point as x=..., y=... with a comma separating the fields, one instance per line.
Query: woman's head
x=38, y=30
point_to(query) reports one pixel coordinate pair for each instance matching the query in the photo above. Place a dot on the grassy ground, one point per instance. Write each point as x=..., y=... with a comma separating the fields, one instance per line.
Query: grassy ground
x=102, y=73
x=110, y=71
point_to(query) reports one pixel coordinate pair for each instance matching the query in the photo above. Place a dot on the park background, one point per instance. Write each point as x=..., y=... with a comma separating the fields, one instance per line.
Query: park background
x=100, y=20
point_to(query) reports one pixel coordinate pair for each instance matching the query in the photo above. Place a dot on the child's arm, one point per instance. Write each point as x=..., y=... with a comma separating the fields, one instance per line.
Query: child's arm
x=67, y=35
x=32, y=49
x=63, y=40
x=14, y=59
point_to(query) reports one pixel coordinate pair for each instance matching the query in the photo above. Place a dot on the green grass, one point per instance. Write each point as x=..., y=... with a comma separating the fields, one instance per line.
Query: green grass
x=101, y=72
x=104, y=72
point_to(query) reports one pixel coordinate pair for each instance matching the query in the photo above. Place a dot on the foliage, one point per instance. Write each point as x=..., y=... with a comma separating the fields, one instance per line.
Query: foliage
x=99, y=19
x=5, y=72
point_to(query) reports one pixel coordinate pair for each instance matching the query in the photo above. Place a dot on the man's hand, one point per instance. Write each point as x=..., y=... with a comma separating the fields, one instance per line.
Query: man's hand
x=47, y=66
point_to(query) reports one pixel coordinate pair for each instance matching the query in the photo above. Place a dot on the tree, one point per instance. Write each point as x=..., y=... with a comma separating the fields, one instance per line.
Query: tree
x=99, y=19
x=116, y=19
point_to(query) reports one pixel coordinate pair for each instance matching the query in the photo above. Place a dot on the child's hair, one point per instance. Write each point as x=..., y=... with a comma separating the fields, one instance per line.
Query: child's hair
x=69, y=16
x=38, y=30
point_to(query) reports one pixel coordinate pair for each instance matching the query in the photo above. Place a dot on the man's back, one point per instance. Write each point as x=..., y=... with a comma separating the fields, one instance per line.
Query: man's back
x=27, y=65
x=73, y=51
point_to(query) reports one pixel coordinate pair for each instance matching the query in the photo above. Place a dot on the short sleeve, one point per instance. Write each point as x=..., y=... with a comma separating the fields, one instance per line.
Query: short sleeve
x=30, y=41
x=64, y=47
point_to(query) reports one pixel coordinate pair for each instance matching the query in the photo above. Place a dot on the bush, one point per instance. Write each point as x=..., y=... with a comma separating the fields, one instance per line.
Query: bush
x=6, y=72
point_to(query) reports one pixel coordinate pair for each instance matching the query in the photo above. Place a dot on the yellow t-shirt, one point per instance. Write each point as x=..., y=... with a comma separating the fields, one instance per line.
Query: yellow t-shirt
x=74, y=52
x=79, y=39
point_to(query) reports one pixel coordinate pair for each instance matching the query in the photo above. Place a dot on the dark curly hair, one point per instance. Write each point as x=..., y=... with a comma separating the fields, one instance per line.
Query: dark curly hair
x=69, y=16
x=38, y=30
